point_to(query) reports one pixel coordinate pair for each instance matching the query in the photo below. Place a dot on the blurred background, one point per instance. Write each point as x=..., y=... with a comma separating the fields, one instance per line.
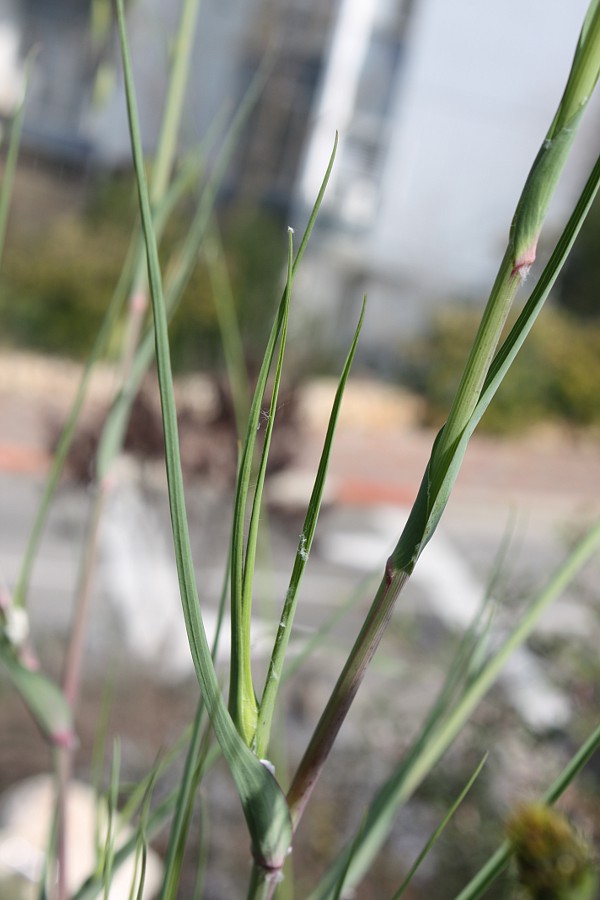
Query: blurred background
x=440, y=108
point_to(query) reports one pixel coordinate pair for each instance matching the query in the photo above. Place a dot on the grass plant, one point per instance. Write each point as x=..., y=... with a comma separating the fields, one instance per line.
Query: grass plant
x=239, y=728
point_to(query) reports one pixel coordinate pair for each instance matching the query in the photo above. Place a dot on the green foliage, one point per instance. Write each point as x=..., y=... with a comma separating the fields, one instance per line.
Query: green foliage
x=54, y=298
x=554, y=378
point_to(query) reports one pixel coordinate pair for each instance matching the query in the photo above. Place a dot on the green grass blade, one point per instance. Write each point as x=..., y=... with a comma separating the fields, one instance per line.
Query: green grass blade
x=432, y=498
x=500, y=859
x=141, y=850
x=112, y=816
x=450, y=446
x=445, y=724
x=263, y=803
x=286, y=622
x=179, y=828
x=436, y=834
x=178, y=275
x=245, y=472
x=179, y=76
x=92, y=887
x=338, y=890
x=202, y=850
x=243, y=705
x=180, y=269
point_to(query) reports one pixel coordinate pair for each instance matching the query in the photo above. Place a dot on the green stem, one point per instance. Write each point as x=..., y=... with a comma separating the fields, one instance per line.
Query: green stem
x=344, y=691
x=480, y=358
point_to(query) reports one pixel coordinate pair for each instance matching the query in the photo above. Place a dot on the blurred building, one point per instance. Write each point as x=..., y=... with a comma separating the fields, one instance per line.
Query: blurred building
x=440, y=105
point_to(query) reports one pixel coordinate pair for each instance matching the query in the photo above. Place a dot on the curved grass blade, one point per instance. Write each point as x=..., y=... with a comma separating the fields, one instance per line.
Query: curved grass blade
x=274, y=673
x=263, y=803
x=413, y=869
x=178, y=274
x=498, y=862
x=245, y=466
x=196, y=762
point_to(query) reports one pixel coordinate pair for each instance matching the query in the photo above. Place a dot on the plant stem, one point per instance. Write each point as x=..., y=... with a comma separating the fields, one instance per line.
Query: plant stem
x=344, y=691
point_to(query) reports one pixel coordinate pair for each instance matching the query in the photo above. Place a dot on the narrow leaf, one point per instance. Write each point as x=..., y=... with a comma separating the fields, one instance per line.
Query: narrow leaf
x=413, y=869
x=263, y=803
x=286, y=622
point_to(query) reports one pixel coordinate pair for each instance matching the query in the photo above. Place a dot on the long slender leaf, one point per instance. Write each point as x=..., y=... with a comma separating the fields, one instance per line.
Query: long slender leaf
x=436, y=834
x=178, y=275
x=242, y=703
x=269, y=696
x=263, y=803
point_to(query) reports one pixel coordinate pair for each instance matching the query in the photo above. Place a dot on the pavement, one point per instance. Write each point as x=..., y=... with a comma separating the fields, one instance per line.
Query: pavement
x=379, y=454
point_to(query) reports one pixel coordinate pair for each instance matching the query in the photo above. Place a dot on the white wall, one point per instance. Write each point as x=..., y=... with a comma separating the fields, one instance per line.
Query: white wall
x=475, y=95
x=481, y=86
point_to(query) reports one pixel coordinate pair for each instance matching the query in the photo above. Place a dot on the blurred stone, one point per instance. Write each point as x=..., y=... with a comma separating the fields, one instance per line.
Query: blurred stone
x=368, y=403
x=26, y=812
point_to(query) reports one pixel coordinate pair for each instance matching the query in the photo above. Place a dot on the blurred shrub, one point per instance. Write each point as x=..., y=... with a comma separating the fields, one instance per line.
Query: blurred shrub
x=56, y=284
x=556, y=376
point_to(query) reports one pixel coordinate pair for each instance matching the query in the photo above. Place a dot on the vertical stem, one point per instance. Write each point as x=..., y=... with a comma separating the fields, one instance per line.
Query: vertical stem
x=344, y=691
x=481, y=354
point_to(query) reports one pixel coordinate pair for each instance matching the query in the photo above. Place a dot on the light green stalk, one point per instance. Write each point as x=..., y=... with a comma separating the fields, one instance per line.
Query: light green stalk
x=438, y=831
x=451, y=444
